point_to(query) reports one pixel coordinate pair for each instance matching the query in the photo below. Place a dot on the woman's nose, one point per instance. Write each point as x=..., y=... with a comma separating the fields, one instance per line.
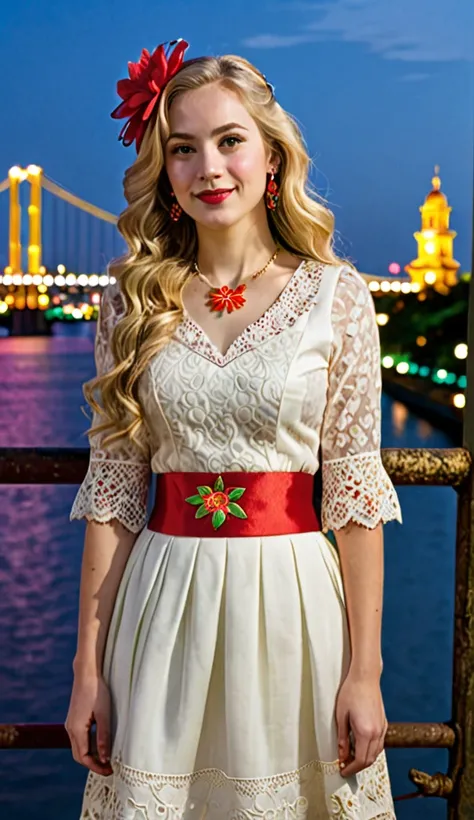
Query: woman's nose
x=210, y=166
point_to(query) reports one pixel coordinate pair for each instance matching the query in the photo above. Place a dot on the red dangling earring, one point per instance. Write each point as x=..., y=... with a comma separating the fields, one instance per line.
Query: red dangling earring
x=272, y=193
x=176, y=209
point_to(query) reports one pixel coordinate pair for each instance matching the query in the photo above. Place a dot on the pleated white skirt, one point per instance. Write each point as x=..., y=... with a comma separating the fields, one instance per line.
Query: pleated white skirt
x=224, y=658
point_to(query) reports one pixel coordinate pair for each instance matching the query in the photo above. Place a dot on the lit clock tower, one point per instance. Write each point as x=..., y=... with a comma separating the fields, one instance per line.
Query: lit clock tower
x=435, y=264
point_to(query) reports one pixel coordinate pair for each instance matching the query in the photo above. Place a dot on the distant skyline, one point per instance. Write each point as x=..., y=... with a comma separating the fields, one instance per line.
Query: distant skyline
x=383, y=92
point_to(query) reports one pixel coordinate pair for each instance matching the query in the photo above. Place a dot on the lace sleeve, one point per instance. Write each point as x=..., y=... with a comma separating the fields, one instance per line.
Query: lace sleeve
x=117, y=480
x=356, y=486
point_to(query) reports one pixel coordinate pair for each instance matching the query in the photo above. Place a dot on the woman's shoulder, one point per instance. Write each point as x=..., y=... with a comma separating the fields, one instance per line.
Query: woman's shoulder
x=351, y=286
x=336, y=282
x=352, y=304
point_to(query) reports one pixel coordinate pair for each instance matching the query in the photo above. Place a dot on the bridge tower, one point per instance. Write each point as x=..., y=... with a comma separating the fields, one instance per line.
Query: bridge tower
x=17, y=175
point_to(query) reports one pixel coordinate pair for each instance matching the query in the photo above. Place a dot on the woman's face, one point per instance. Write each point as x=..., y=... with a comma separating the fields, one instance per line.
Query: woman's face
x=215, y=145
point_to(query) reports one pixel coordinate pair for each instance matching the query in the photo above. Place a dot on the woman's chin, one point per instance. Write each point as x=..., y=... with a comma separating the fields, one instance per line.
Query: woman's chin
x=218, y=220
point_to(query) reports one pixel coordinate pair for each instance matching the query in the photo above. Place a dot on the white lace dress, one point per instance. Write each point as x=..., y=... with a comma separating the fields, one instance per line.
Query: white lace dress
x=225, y=655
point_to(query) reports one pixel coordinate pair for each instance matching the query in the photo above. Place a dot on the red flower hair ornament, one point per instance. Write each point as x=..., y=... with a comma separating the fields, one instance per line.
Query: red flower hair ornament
x=141, y=92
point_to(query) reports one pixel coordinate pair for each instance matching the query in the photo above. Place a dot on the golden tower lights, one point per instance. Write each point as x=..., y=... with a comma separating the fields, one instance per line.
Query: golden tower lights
x=34, y=173
x=17, y=175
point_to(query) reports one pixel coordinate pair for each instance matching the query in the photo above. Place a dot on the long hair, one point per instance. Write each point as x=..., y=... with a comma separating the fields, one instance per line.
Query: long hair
x=152, y=274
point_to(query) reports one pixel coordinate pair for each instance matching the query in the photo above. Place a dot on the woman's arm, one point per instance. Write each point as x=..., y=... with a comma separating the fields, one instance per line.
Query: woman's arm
x=106, y=551
x=362, y=565
x=358, y=497
x=113, y=499
x=360, y=706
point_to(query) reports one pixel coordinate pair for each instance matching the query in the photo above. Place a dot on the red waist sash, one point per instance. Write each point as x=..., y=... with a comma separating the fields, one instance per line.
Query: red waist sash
x=235, y=504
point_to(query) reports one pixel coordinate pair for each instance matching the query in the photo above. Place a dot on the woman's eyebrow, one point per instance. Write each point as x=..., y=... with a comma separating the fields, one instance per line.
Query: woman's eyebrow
x=183, y=136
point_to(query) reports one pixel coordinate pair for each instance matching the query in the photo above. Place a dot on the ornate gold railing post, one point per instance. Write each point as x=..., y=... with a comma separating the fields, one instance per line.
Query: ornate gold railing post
x=462, y=802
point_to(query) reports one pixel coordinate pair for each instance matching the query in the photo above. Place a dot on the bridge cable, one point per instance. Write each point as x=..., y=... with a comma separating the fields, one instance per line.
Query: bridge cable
x=72, y=199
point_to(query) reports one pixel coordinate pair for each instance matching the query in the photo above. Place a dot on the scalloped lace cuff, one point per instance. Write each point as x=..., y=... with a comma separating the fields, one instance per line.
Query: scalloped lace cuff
x=114, y=489
x=358, y=488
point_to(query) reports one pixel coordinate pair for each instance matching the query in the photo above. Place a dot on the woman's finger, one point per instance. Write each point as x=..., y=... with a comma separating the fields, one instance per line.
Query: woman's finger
x=103, y=738
x=361, y=743
x=343, y=742
x=95, y=766
x=373, y=750
x=80, y=752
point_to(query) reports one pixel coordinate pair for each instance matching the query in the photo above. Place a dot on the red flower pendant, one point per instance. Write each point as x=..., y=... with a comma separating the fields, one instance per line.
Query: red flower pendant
x=226, y=298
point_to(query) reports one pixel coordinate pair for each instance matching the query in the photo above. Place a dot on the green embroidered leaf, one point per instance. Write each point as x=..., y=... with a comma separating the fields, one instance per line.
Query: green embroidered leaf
x=201, y=511
x=236, y=493
x=194, y=499
x=219, y=484
x=236, y=509
x=204, y=490
x=218, y=519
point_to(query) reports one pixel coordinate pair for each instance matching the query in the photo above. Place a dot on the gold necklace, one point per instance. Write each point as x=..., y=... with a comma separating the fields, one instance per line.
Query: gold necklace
x=226, y=298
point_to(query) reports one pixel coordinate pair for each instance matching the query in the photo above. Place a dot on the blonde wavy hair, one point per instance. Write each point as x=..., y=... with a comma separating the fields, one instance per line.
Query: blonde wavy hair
x=152, y=274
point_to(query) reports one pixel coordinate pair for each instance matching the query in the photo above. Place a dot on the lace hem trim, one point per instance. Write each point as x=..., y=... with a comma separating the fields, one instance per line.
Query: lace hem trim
x=113, y=489
x=247, y=786
x=302, y=794
x=357, y=488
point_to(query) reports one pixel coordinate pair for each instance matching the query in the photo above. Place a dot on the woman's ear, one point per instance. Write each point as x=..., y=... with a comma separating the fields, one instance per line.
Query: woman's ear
x=274, y=163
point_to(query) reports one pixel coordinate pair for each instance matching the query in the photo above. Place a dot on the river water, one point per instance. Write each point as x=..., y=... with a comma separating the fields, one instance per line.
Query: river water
x=40, y=556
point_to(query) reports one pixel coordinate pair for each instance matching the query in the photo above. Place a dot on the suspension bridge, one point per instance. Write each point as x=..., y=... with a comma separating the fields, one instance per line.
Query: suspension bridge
x=53, y=263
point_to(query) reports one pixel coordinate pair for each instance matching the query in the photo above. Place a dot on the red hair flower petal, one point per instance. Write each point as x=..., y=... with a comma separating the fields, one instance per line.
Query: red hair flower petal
x=149, y=109
x=176, y=58
x=141, y=92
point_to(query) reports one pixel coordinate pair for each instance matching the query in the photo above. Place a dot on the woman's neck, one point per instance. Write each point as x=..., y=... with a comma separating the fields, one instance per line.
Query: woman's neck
x=234, y=253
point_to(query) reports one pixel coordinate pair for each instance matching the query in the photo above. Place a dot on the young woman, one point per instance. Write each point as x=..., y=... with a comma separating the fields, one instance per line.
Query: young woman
x=229, y=657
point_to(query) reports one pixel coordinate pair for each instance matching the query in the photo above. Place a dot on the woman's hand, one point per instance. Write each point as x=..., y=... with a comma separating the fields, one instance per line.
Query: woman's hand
x=360, y=708
x=90, y=701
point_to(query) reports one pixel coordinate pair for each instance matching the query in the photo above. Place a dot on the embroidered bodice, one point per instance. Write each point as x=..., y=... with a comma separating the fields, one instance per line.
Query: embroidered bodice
x=301, y=383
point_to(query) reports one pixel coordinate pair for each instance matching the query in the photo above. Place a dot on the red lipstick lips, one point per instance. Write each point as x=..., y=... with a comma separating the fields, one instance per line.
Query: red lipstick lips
x=215, y=197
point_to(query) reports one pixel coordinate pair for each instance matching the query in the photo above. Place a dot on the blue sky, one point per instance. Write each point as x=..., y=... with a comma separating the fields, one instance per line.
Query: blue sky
x=383, y=91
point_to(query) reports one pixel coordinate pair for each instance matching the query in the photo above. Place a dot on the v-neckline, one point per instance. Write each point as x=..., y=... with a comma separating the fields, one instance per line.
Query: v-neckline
x=279, y=314
x=189, y=322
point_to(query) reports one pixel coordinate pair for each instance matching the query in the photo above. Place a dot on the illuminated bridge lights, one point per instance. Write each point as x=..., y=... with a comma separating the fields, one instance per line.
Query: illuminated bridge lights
x=70, y=280
x=393, y=286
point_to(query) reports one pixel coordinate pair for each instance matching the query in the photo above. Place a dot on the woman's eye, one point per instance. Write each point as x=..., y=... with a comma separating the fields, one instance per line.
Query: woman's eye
x=177, y=149
x=232, y=139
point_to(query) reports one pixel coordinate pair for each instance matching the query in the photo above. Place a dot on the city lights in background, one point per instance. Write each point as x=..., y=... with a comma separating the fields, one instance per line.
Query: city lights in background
x=459, y=400
x=45, y=280
x=404, y=366
x=460, y=351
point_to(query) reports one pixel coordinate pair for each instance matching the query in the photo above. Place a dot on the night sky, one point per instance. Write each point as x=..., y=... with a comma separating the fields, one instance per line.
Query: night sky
x=382, y=90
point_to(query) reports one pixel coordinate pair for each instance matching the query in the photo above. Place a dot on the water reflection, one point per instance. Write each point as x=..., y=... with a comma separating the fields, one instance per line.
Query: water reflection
x=400, y=416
